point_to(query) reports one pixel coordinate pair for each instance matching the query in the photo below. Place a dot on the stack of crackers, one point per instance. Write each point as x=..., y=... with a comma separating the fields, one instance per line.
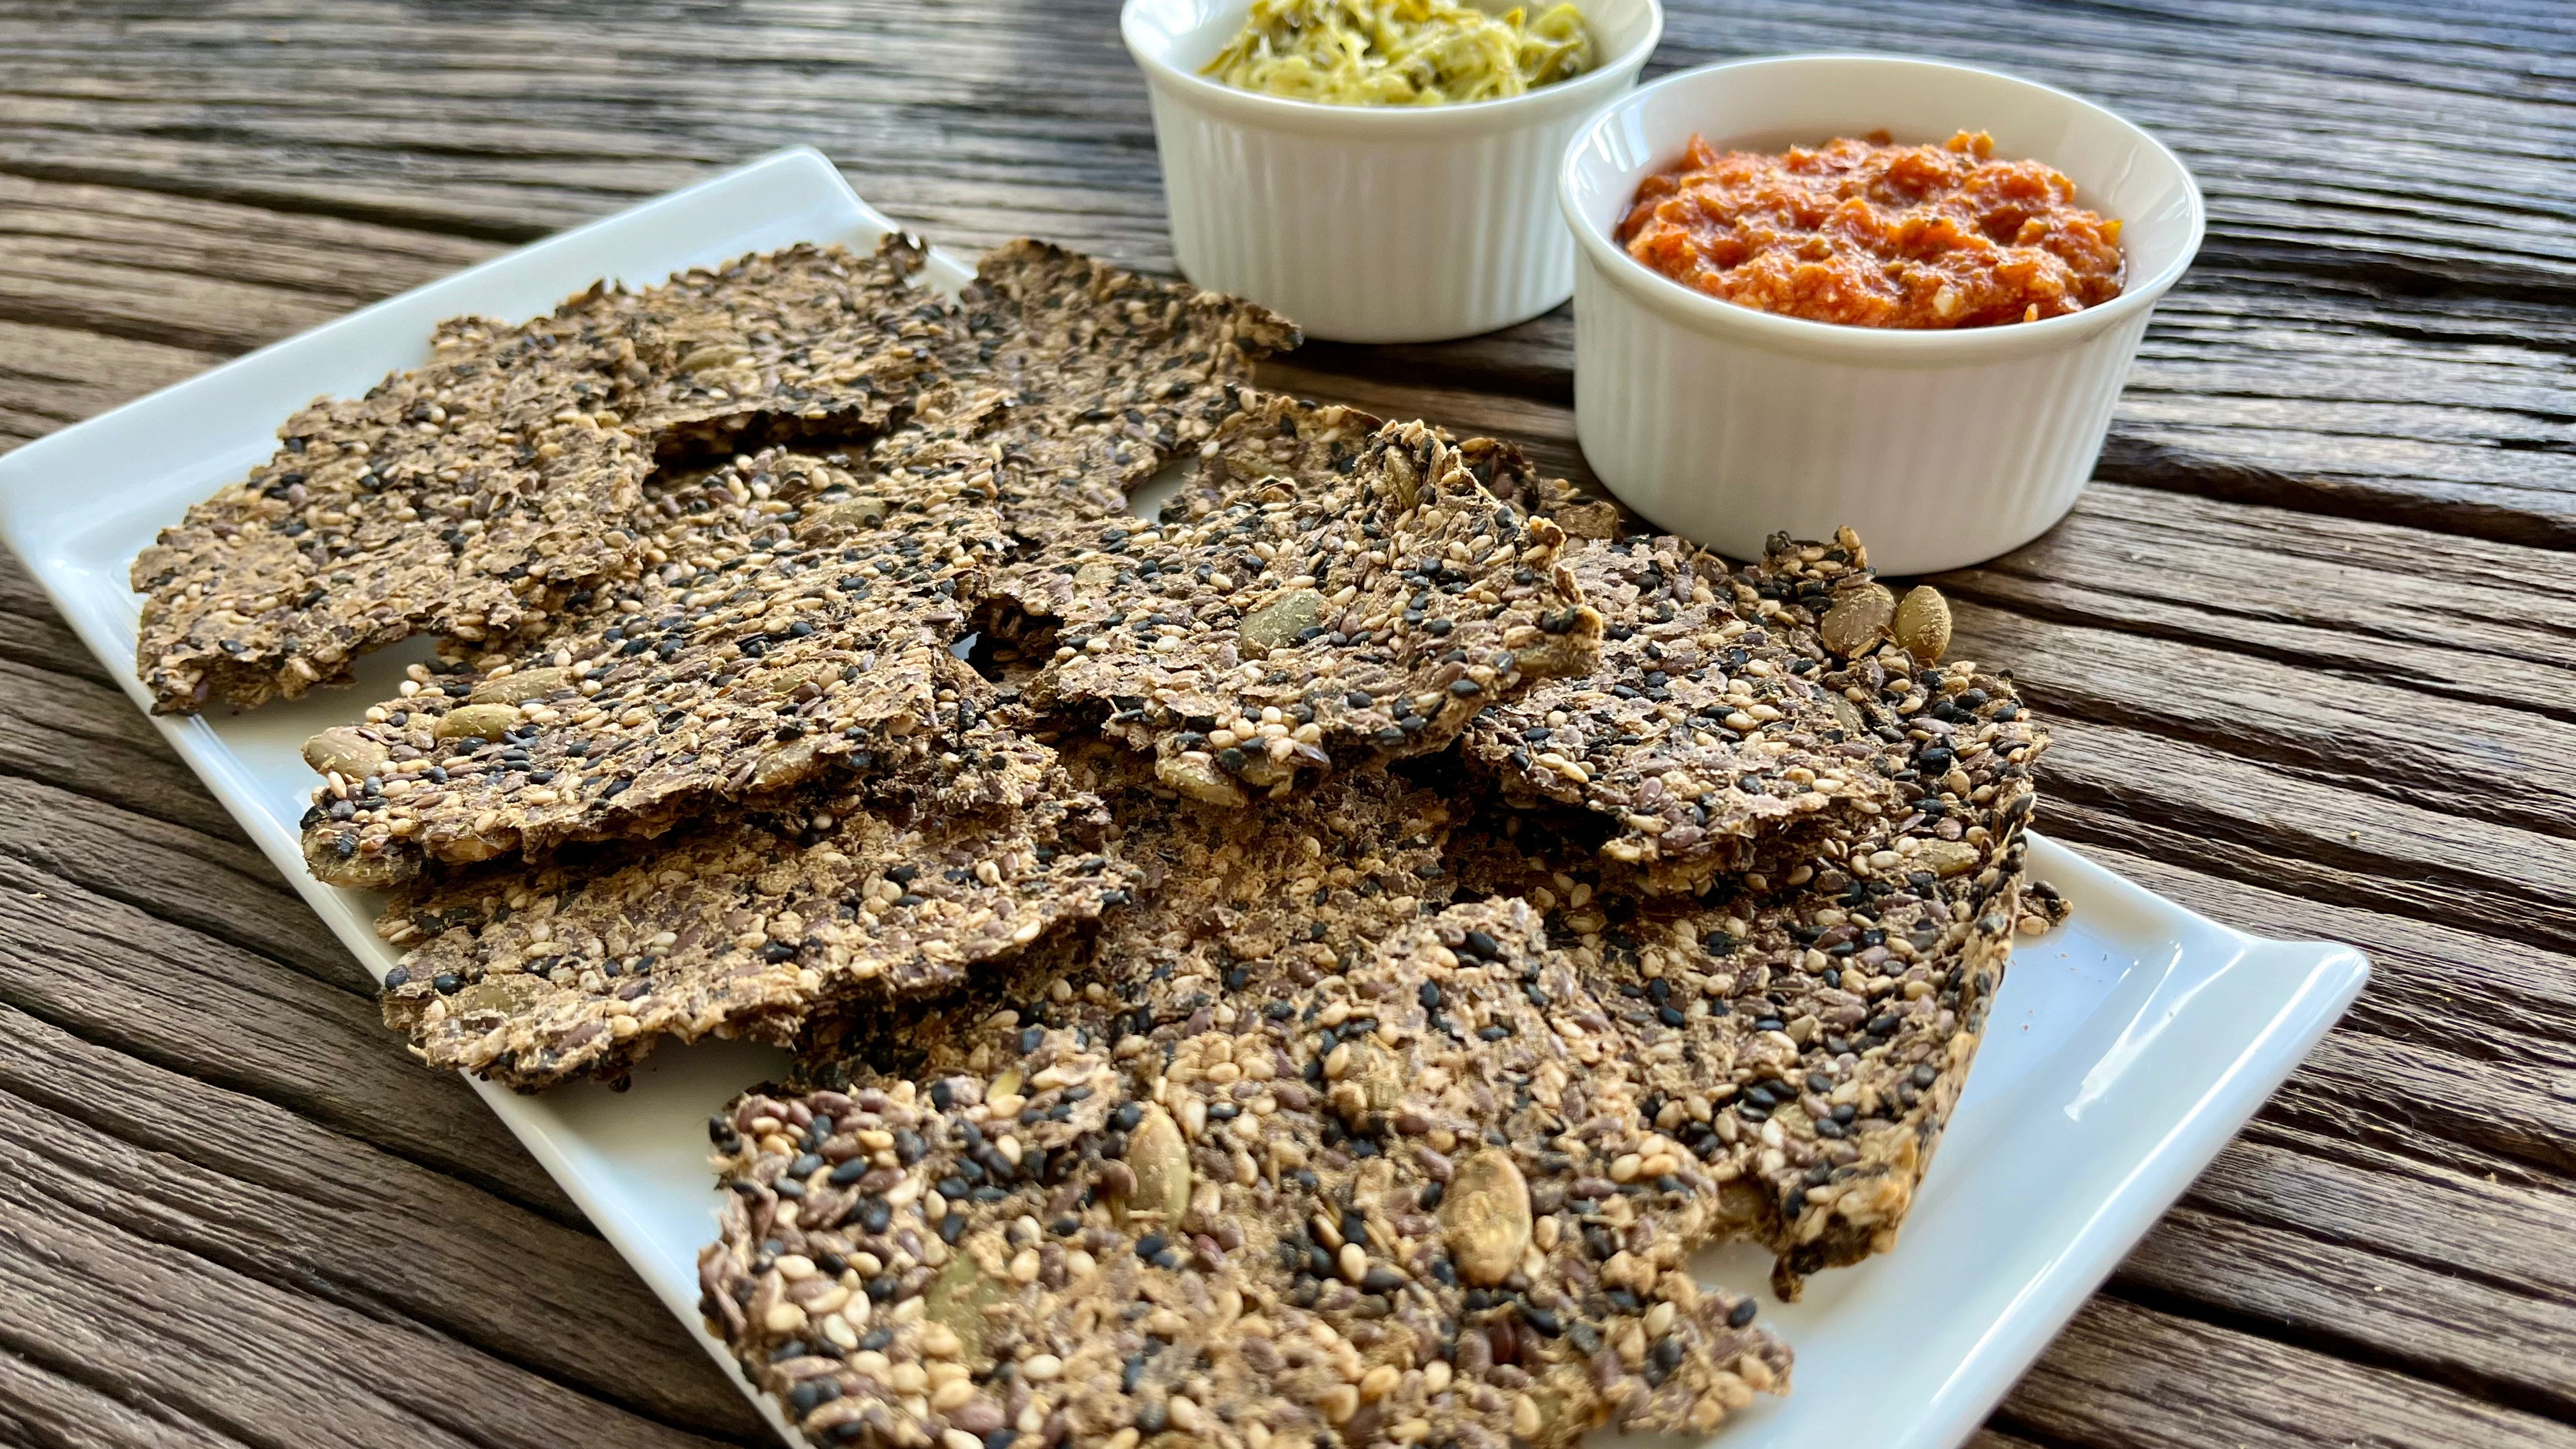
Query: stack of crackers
x=1308, y=967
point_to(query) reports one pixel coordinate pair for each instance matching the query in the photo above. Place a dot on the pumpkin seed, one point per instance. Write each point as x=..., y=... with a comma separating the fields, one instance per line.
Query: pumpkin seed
x=343, y=749
x=1400, y=472
x=956, y=1300
x=483, y=720
x=1199, y=779
x=1947, y=857
x=1160, y=1159
x=361, y=872
x=1858, y=620
x=784, y=765
x=1371, y=1084
x=509, y=995
x=1923, y=624
x=520, y=686
x=1277, y=624
x=1486, y=1217
x=829, y=522
x=714, y=354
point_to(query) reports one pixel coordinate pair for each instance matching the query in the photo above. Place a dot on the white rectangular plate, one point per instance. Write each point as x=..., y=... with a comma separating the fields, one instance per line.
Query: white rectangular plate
x=2125, y=1049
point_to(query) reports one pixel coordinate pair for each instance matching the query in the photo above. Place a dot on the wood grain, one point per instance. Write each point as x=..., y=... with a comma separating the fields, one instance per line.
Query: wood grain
x=2377, y=328
x=2308, y=650
x=219, y=886
x=47, y=1409
x=92, y=1295
x=102, y=969
x=2125, y=1375
x=86, y=736
x=265, y=1193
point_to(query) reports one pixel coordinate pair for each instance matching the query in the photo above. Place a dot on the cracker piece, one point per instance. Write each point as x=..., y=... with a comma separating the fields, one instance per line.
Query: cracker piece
x=1111, y=374
x=476, y=495
x=1703, y=728
x=1807, y=1042
x=467, y=495
x=1509, y=475
x=2043, y=909
x=802, y=344
x=1078, y=566
x=803, y=621
x=1214, y=882
x=735, y=552
x=1109, y=377
x=1353, y=597
x=744, y=927
x=1278, y=1187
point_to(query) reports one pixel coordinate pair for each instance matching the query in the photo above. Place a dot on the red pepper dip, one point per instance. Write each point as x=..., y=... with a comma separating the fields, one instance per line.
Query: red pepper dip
x=1870, y=234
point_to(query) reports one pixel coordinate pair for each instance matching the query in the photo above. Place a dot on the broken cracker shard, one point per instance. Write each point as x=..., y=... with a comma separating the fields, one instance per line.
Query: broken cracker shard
x=480, y=495
x=1190, y=1040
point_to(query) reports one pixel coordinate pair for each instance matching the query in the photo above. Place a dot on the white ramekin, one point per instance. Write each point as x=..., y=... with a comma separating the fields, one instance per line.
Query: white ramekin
x=1724, y=424
x=1371, y=223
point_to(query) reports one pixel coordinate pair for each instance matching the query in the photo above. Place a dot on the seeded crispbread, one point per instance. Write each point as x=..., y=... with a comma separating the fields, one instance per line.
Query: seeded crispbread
x=1120, y=1112
x=1123, y=1185
x=1079, y=571
x=1111, y=374
x=476, y=495
x=808, y=342
x=1508, y=474
x=1346, y=864
x=1703, y=729
x=971, y=446
x=469, y=494
x=804, y=619
x=746, y=927
x=1808, y=1042
x=1107, y=377
x=1321, y=616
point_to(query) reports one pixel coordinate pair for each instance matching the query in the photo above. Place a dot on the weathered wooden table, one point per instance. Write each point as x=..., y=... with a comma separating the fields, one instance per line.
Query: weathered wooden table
x=2309, y=649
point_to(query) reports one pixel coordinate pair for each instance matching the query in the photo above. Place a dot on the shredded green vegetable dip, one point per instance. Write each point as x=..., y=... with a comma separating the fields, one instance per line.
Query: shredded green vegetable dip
x=1400, y=52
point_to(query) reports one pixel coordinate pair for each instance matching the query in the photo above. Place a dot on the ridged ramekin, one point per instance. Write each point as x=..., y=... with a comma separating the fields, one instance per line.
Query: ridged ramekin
x=1943, y=448
x=1371, y=223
